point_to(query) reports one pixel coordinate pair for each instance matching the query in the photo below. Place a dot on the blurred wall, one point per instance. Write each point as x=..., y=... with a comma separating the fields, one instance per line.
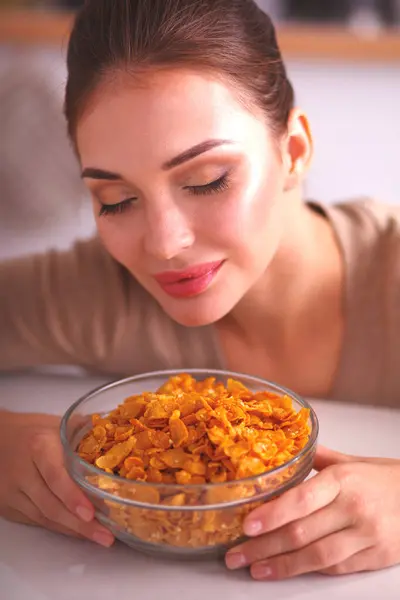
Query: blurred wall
x=353, y=111
x=42, y=199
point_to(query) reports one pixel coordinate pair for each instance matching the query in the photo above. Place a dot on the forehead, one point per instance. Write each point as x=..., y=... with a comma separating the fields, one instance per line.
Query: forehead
x=165, y=112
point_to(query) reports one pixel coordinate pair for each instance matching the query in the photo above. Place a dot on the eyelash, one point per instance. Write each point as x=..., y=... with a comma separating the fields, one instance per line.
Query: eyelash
x=114, y=209
x=214, y=187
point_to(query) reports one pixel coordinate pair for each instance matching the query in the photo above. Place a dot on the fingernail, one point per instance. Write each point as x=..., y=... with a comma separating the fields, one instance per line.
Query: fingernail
x=103, y=538
x=235, y=560
x=261, y=571
x=84, y=513
x=252, y=527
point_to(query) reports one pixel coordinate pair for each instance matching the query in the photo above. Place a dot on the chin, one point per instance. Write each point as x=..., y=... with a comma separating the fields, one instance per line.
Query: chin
x=198, y=311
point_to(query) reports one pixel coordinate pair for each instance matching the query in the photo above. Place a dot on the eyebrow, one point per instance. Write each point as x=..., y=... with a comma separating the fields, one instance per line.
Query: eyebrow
x=187, y=155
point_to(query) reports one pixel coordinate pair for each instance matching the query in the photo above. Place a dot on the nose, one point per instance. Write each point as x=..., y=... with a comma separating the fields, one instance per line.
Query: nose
x=168, y=231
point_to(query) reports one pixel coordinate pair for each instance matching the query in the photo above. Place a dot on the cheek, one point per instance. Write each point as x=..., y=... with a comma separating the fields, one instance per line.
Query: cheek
x=120, y=238
x=248, y=220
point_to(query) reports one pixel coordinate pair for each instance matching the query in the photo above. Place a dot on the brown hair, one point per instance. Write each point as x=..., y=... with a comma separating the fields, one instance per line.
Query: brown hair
x=232, y=38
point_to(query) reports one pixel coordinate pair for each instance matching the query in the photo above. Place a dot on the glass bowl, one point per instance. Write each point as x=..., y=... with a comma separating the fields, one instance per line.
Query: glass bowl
x=172, y=520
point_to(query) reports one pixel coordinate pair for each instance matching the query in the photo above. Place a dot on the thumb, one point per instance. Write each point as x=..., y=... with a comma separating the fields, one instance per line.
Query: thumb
x=325, y=457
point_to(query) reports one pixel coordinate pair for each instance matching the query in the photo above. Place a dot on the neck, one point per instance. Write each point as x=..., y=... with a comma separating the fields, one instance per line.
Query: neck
x=302, y=280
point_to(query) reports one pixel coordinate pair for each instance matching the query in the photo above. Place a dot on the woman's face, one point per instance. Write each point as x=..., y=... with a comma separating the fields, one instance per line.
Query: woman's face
x=186, y=186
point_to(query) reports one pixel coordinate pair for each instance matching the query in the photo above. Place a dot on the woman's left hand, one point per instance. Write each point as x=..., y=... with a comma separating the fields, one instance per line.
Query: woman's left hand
x=343, y=520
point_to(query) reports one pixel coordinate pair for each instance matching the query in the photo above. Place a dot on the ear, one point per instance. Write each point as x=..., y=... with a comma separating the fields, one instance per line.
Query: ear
x=298, y=149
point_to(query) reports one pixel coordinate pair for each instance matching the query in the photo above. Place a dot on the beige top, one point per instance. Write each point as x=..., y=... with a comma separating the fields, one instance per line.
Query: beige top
x=80, y=307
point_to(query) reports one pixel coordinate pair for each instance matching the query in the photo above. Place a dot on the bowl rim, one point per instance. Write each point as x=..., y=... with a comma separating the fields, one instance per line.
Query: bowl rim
x=75, y=458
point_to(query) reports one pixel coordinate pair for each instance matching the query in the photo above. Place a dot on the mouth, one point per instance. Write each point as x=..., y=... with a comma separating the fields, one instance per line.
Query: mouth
x=189, y=282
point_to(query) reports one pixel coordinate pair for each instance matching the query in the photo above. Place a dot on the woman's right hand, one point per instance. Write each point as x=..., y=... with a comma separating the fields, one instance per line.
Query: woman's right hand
x=35, y=487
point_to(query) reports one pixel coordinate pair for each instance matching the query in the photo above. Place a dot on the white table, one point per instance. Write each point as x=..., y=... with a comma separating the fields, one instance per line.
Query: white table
x=39, y=565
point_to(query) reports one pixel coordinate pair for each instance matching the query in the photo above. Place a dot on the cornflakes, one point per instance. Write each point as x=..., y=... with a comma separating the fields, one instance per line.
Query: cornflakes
x=192, y=433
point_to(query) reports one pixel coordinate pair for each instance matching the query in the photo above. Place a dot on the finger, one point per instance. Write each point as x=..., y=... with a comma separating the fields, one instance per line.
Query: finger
x=54, y=512
x=297, y=503
x=366, y=560
x=12, y=514
x=325, y=457
x=18, y=517
x=290, y=537
x=48, y=458
x=320, y=555
x=27, y=513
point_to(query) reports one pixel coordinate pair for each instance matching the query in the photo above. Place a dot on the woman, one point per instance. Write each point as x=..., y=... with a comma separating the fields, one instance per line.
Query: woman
x=183, y=120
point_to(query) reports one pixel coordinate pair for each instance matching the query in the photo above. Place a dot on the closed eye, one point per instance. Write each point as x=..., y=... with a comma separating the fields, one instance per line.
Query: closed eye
x=118, y=208
x=214, y=187
x=219, y=185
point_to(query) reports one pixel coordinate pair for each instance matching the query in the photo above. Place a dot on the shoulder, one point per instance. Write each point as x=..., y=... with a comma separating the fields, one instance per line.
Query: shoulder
x=367, y=214
x=87, y=262
x=367, y=230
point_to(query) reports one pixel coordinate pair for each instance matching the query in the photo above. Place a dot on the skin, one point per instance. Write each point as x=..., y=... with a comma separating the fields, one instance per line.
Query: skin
x=280, y=291
x=344, y=520
x=35, y=488
x=272, y=244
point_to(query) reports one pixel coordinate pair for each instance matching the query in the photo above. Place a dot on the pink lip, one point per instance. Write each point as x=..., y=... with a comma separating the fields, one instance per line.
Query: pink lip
x=189, y=282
